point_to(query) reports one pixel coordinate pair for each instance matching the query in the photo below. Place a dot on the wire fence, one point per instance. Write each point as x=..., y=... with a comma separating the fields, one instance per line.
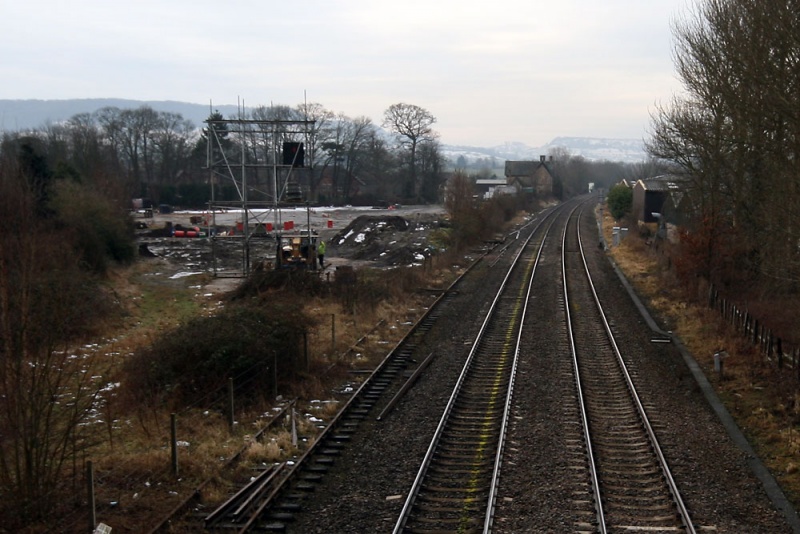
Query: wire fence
x=785, y=353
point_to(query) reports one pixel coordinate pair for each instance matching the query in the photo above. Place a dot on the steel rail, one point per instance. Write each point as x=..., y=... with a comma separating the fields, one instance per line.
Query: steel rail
x=592, y=463
x=489, y=518
x=671, y=484
x=426, y=462
x=164, y=524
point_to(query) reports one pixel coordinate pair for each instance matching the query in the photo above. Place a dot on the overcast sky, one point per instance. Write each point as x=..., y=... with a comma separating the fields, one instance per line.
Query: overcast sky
x=490, y=71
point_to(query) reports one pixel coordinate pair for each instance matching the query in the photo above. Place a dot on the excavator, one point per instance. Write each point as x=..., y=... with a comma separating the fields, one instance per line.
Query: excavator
x=297, y=251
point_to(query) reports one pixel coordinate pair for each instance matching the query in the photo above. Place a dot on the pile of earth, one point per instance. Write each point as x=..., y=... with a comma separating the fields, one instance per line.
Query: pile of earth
x=382, y=240
x=387, y=240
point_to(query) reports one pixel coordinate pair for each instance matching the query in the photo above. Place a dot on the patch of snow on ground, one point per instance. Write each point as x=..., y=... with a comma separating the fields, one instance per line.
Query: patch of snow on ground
x=342, y=240
x=183, y=274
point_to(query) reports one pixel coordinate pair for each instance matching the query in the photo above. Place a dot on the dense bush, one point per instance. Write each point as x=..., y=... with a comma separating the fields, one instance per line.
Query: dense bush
x=102, y=233
x=243, y=342
x=265, y=279
x=620, y=201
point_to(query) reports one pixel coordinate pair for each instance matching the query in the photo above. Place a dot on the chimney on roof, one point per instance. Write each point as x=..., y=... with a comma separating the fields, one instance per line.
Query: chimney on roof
x=542, y=158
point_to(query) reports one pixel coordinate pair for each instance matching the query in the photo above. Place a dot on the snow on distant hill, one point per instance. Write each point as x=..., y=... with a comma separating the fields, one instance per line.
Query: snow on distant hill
x=591, y=148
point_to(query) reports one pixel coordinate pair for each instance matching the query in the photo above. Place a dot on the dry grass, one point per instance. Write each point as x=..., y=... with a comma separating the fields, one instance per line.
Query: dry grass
x=273, y=449
x=135, y=486
x=764, y=401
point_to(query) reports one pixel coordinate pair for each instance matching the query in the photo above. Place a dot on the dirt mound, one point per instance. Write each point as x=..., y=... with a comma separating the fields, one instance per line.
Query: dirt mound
x=379, y=238
x=385, y=239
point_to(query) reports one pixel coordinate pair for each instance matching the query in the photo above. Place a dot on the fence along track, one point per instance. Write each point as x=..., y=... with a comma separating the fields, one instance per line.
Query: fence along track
x=179, y=513
x=631, y=481
x=454, y=490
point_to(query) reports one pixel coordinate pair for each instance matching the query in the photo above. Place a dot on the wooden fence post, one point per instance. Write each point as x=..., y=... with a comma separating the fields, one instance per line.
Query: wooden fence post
x=333, y=334
x=275, y=375
x=231, y=416
x=305, y=350
x=173, y=429
x=90, y=488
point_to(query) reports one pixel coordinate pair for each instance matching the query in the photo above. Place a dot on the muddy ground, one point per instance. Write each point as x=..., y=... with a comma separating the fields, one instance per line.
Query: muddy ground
x=358, y=237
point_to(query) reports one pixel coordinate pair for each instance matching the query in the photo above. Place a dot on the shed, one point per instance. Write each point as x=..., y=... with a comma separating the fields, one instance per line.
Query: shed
x=489, y=187
x=649, y=195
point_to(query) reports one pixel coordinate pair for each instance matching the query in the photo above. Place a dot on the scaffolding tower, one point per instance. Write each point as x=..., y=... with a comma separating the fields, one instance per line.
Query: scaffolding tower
x=264, y=160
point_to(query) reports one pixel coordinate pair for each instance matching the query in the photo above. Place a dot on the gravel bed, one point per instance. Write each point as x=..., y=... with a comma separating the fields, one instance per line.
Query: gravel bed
x=366, y=489
x=541, y=488
x=712, y=473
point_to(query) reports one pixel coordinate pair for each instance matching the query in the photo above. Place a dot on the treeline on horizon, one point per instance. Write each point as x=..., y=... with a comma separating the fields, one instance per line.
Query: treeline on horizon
x=163, y=157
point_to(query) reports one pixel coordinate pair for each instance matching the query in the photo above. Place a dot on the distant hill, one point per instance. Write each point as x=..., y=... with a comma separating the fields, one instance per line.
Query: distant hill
x=16, y=115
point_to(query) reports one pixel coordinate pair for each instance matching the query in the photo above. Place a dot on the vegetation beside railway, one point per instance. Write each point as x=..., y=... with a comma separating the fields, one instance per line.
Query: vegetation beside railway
x=762, y=398
x=127, y=440
x=168, y=350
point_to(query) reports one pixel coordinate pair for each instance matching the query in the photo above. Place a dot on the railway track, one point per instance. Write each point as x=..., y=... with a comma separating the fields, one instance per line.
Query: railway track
x=632, y=486
x=269, y=504
x=455, y=488
x=272, y=500
x=181, y=511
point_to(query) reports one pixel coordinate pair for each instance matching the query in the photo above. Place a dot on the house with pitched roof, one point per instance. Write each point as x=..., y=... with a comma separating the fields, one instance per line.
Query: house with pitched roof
x=534, y=177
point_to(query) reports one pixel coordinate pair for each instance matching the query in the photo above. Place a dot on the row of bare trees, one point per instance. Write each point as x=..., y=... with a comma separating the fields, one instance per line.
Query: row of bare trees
x=574, y=172
x=158, y=154
x=349, y=153
x=734, y=132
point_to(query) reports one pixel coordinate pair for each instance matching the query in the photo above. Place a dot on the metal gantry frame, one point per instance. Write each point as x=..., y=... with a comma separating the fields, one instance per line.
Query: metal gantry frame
x=261, y=142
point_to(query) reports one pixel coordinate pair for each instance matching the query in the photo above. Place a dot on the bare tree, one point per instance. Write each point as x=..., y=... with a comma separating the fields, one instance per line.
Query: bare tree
x=317, y=133
x=170, y=140
x=47, y=392
x=358, y=135
x=431, y=165
x=377, y=167
x=460, y=204
x=736, y=130
x=334, y=149
x=414, y=125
